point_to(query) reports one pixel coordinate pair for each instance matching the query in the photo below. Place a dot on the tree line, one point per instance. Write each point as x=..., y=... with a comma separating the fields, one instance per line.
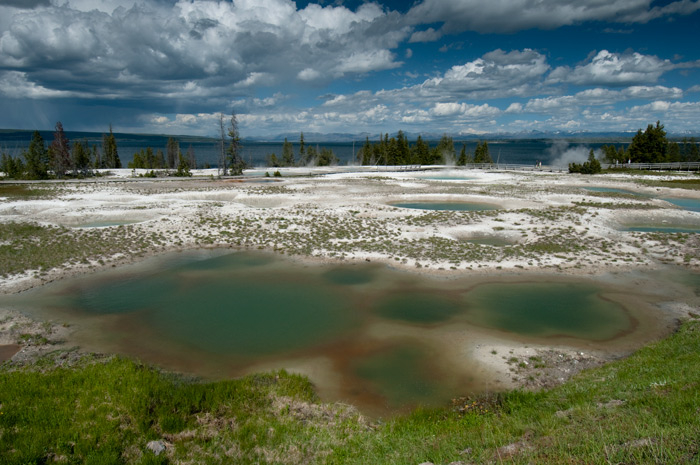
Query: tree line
x=173, y=159
x=61, y=159
x=308, y=155
x=398, y=151
x=652, y=146
x=387, y=151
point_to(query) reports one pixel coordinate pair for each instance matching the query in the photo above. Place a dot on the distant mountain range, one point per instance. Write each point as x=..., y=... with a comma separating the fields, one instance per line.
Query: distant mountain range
x=8, y=135
x=313, y=137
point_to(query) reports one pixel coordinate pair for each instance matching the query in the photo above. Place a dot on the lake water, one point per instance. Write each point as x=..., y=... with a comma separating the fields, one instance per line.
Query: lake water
x=515, y=151
x=366, y=334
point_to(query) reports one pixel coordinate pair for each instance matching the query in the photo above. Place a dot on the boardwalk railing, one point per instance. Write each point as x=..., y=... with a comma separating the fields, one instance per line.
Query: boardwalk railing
x=674, y=166
x=515, y=167
x=402, y=167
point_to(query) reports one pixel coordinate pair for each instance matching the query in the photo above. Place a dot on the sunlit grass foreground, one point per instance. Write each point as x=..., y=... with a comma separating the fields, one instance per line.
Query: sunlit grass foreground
x=643, y=409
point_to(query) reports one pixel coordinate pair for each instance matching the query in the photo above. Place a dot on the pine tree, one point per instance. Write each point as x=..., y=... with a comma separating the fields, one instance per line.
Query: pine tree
x=420, y=152
x=287, y=153
x=233, y=152
x=403, y=153
x=81, y=158
x=173, y=151
x=364, y=156
x=481, y=153
x=649, y=146
x=445, y=150
x=462, y=160
x=223, y=168
x=326, y=158
x=159, y=160
x=59, y=152
x=303, y=158
x=191, y=160
x=183, y=166
x=110, y=154
x=37, y=158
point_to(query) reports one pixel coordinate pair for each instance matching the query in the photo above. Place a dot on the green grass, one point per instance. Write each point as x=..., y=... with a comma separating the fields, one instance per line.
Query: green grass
x=25, y=192
x=29, y=246
x=643, y=409
x=693, y=184
x=107, y=412
x=640, y=410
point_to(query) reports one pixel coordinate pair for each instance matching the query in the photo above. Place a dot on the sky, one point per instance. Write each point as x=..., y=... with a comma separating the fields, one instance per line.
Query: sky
x=460, y=67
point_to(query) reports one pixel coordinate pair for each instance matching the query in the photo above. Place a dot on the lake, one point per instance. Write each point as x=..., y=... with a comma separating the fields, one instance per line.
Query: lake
x=514, y=151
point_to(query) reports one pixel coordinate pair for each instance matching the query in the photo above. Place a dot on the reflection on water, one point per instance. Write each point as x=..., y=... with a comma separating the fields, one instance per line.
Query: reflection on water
x=384, y=334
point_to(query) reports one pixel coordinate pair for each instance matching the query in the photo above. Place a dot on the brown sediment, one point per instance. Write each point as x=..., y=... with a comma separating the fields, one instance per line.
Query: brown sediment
x=8, y=351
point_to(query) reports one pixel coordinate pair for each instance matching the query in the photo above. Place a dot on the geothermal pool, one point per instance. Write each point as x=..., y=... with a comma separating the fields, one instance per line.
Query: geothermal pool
x=449, y=206
x=382, y=339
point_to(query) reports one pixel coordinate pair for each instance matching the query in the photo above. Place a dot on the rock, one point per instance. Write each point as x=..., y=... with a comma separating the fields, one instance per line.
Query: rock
x=156, y=447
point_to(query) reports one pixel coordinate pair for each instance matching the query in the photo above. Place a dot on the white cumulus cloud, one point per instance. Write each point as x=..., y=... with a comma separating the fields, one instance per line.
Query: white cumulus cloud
x=613, y=69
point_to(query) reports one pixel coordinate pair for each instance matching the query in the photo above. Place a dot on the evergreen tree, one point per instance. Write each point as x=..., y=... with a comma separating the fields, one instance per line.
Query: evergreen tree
x=364, y=156
x=311, y=156
x=12, y=167
x=95, y=157
x=172, y=149
x=690, y=151
x=287, y=153
x=446, y=150
x=481, y=153
x=326, y=158
x=673, y=152
x=612, y=155
x=110, y=154
x=81, y=158
x=138, y=161
x=37, y=158
x=420, y=152
x=234, y=148
x=303, y=159
x=392, y=152
x=191, y=160
x=158, y=160
x=59, y=152
x=272, y=161
x=403, y=152
x=223, y=168
x=649, y=146
x=463, y=159
x=592, y=166
x=183, y=166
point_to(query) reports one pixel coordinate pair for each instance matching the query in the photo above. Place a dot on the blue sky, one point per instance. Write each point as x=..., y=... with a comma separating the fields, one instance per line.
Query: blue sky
x=433, y=66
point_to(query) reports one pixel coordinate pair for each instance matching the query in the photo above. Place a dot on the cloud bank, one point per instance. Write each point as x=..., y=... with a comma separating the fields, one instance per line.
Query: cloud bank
x=162, y=65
